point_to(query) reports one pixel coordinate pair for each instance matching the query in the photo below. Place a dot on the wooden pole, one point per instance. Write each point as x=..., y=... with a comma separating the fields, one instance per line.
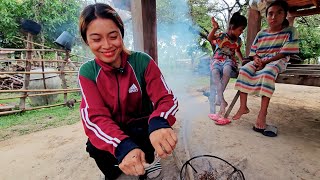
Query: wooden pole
x=31, y=49
x=254, y=26
x=36, y=90
x=47, y=72
x=44, y=60
x=22, y=104
x=35, y=108
x=42, y=94
x=63, y=76
x=145, y=26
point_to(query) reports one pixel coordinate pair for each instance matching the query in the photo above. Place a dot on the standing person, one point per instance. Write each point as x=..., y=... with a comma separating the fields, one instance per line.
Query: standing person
x=270, y=51
x=127, y=109
x=224, y=63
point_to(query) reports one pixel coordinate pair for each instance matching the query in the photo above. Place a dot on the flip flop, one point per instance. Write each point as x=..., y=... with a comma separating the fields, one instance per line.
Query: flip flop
x=269, y=131
x=222, y=121
x=214, y=117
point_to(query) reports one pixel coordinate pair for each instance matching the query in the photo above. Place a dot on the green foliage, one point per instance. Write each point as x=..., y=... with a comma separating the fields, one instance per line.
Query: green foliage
x=199, y=12
x=55, y=16
x=309, y=35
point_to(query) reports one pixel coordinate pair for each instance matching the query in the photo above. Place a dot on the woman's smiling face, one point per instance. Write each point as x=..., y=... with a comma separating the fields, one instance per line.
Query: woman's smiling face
x=105, y=41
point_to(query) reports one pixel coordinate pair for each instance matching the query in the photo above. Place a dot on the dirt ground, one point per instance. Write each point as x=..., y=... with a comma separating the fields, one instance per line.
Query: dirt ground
x=60, y=153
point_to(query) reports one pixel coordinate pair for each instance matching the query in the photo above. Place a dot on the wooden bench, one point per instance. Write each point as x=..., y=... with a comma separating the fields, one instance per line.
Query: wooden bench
x=298, y=74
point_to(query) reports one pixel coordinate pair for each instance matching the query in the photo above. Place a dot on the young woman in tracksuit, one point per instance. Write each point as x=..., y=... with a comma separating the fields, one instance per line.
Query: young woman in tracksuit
x=127, y=109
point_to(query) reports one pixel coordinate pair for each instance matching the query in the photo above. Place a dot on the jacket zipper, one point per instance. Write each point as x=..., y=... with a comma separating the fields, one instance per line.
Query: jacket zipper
x=119, y=105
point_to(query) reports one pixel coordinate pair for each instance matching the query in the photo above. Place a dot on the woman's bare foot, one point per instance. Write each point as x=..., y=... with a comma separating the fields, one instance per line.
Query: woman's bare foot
x=261, y=121
x=241, y=112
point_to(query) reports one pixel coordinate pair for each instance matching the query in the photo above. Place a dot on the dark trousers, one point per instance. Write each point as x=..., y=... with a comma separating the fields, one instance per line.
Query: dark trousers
x=138, y=132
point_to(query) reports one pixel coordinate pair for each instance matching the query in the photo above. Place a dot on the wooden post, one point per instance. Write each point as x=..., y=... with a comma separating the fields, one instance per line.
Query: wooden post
x=63, y=76
x=26, y=82
x=254, y=26
x=144, y=22
x=44, y=76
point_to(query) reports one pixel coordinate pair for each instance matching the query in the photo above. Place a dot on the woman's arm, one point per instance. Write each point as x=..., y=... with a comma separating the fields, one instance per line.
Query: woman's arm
x=165, y=104
x=274, y=58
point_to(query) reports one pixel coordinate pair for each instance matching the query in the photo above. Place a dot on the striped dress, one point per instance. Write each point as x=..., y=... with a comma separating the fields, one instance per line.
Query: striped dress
x=267, y=45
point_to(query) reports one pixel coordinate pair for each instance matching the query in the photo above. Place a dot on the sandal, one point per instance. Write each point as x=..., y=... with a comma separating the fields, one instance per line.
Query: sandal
x=222, y=121
x=214, y=117
x=269, y=131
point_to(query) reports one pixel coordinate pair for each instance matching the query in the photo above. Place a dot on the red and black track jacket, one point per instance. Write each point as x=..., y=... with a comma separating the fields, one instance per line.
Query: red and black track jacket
x=111, y=97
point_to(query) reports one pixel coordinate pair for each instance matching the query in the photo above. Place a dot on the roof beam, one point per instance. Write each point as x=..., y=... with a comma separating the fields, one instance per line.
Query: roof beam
x=316, y=3
x=307, y=12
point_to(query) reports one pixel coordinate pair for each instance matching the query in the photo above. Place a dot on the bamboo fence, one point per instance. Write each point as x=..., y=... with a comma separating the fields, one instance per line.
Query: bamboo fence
x=28, y=61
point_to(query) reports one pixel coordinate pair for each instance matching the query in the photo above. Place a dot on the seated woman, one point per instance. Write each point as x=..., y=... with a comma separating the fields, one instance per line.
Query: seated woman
x=270, y=51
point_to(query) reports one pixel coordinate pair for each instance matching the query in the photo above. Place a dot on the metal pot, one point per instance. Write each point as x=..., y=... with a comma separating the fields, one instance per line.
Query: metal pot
x=65, y=40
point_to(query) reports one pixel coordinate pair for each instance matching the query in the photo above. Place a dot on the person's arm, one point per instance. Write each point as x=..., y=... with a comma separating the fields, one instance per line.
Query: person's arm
x=211, y=35
x=165, y=106
x=239, y=55
x=274, y=58
x=102, y=131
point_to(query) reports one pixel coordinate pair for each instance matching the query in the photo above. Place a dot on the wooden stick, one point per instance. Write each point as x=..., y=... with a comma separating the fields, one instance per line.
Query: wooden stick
x=12, y=49
x=33, y=60
x=7, y=75
x=232, y=104
x=33, y=43
x=47, y=72
x=35, y=90
x=35, y=108
x=42, y=94
x=10, y=112
x=37, y=60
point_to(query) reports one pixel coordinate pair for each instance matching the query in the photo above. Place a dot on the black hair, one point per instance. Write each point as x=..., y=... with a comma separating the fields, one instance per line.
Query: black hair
x=285, y=23
x=98, y=10
x=284, y=5
x=237, y=20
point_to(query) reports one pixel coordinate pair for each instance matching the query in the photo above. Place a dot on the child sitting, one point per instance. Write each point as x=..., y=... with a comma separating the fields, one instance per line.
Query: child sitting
x=224, y=64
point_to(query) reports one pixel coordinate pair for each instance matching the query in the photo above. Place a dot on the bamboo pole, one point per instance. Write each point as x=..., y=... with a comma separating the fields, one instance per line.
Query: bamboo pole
x=13, y=49
x=44, y=80
x=22, y=104
x=63, y=76
x=35, y=90
x=9, y=112
x=47, y=72
x=30, y=109
x=41, y=45
x=37, y=60
x=42, y=94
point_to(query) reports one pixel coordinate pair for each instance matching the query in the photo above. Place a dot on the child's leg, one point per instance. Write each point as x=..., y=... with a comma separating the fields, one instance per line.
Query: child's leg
x=212, y=97
x=216, y=87
x=224, y=81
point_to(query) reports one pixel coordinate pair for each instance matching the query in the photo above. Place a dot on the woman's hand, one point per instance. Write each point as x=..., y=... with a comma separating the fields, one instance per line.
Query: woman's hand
x=132, y=163
x=164, y=141
x=214, y=23
x=257, y=61
x=263, y=64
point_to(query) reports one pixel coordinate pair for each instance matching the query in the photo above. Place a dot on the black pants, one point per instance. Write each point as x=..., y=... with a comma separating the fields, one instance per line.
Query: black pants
x=138, y=132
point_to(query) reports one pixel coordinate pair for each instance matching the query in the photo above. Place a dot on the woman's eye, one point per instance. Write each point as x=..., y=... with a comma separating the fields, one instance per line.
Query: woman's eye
x=95, y=40
x=113, y=37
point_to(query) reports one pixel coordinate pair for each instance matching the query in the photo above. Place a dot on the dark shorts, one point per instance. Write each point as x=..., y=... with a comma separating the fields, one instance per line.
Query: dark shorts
x=138, y=132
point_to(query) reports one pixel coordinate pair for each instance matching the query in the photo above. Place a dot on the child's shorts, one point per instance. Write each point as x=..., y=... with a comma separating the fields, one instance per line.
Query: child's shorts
x=219, y=65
